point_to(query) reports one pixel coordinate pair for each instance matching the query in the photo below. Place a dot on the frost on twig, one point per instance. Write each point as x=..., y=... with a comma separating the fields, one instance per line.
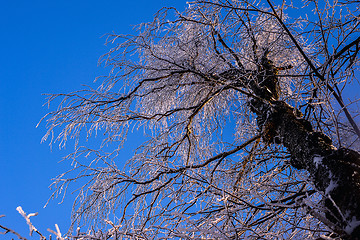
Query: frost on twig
x=27, y=218
x=235, y=99
x=57, y=233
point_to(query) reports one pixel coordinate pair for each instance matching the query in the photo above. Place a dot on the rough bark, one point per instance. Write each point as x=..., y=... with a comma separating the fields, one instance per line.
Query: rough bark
x=334, y=172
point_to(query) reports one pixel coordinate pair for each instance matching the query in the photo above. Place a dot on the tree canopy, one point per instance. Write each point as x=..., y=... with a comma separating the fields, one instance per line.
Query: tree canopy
x=250, y=123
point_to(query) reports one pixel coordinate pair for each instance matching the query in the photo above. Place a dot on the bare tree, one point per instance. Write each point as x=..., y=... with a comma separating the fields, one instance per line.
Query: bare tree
x=250, y=121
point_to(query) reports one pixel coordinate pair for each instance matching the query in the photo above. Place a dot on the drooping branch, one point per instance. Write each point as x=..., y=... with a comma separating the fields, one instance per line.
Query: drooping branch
x=187, y=176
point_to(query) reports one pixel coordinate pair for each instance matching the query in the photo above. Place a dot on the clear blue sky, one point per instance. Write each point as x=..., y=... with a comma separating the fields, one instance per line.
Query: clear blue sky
x=49, y=47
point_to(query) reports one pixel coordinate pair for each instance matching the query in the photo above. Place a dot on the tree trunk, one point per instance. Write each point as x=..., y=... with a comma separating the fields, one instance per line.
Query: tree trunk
x=334, y=172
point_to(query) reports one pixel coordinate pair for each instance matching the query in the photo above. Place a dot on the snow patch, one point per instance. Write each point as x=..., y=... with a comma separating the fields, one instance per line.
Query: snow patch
x=332, y=185
x=352, y=225
x=318, y=160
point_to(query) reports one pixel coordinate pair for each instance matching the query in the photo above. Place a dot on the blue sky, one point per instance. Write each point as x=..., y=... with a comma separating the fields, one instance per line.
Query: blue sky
x=49, y=47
